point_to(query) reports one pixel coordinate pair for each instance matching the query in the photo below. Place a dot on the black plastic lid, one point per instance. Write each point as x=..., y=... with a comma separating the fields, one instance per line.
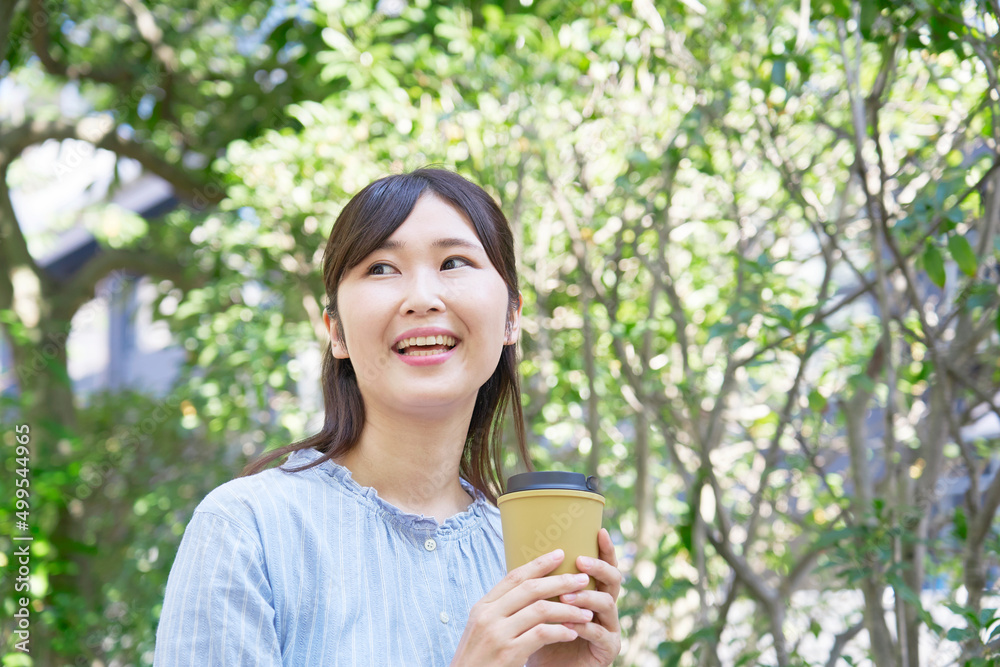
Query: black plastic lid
x=530, y=481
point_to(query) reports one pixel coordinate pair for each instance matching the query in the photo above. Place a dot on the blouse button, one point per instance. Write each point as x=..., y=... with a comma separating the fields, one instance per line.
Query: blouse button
x=444, y=617
x=431, y=545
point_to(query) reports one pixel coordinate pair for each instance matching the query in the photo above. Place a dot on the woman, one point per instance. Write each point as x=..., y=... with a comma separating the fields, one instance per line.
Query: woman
x=378, y=541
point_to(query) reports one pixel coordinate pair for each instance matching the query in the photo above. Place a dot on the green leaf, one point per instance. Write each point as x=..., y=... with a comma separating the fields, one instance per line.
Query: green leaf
x=834, y=536
x=994, y=634
x=981, y=295
x=934, y=265
x=784, y=313
x=961, y=530
x=778, y=72
x=966, y=612
x=817, y=402
x=904, y=591
x=959, y=634
x=869, y=11
x=861, y=382
x=686, y=534
x=963, y=254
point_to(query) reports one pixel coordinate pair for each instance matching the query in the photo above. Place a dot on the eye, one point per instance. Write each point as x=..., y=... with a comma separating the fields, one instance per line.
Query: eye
x=455, y=263
x=381, y=269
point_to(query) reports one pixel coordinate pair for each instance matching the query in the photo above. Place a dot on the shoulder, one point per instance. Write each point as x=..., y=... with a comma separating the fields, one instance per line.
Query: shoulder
x=253, y=502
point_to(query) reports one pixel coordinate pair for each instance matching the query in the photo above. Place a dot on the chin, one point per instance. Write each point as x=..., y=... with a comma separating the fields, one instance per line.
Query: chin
x=436, y=405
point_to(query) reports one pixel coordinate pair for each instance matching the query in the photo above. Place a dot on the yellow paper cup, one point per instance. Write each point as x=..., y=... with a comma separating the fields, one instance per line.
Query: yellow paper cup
x=544, y=511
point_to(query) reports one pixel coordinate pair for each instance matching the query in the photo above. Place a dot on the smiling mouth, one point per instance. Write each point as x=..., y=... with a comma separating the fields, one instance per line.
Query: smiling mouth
x=425, y=346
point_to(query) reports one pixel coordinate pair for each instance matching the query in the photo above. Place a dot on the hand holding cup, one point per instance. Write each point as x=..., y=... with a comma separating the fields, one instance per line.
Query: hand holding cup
x=518, y=616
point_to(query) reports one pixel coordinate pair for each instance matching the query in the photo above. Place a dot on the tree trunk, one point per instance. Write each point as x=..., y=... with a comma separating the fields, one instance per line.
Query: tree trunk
x=855, y=411
x=590, y=368
x=643, y=484
x=48, y=408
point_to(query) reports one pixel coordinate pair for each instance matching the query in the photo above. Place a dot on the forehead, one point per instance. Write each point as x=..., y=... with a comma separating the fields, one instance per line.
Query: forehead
x=431, y=220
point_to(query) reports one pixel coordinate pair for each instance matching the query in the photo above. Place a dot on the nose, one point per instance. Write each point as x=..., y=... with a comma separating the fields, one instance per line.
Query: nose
x=424, y=293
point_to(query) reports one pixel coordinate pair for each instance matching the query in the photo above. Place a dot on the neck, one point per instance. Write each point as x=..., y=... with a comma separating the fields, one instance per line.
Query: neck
x=412, y=462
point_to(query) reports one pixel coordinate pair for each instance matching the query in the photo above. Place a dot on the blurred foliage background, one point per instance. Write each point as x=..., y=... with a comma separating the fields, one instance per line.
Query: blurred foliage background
x=760, y=255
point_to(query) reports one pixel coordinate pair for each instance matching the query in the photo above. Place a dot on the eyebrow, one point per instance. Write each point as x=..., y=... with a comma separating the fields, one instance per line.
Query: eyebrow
x=390, y=244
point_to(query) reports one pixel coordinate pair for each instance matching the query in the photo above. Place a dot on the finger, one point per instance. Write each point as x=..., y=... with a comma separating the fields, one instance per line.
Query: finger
x=542, y=635
x=545, y=611
x=606, y=548
x=607, y=575
x=604, y=572
x=536, y=568
x=603, y=640
x=541, y=588
x=601, y=603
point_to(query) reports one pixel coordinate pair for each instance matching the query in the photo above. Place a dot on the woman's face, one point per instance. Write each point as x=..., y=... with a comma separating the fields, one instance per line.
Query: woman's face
x=425, y=317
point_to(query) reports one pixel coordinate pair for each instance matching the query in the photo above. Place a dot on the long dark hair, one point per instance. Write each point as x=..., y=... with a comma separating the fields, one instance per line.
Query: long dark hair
x=367, y=220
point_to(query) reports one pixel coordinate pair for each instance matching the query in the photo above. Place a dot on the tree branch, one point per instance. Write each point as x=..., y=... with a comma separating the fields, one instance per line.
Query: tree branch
x=145, y=22
x=841, y=641
x=115, y=76
x=7, y=11
x=980, y=528
x=760, y=590
x=771, y=457
x=102, y=132
x=112, y=260
x=12, y=244
x=755, y=583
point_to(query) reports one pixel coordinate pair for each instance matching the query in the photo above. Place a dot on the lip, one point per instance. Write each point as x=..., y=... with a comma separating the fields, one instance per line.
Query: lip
x=424, y=331
x=429, y=360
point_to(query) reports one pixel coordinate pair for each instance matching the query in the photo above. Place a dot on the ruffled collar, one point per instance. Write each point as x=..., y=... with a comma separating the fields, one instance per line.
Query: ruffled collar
x=453, y=526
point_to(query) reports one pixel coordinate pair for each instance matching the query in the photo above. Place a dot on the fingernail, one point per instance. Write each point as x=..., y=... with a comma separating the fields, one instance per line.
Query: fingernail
x=586, y=561
x=582, y=578
x=569, y=597
x=587, y=614
x=556, y=555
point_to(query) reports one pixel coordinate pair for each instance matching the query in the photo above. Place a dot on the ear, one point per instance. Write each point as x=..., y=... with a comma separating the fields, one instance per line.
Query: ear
x=514, y=323
x=337, y=345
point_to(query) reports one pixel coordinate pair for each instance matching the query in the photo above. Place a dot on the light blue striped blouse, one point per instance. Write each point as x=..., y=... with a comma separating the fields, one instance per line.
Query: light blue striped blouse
x=311, y=568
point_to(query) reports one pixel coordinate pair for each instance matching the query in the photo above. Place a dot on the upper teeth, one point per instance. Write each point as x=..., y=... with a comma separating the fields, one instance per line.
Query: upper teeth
x=425, y=340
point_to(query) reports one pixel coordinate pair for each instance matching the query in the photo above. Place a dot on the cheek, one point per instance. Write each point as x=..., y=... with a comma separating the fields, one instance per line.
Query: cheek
x=358, y=327
x=495, y=311
x=370, y=359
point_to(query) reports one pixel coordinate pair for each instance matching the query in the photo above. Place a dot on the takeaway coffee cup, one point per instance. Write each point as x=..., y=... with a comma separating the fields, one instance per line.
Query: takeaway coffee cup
x=544, y=511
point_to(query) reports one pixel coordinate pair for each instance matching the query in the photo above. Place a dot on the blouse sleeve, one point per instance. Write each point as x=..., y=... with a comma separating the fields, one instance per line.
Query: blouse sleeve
x=218, y=607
